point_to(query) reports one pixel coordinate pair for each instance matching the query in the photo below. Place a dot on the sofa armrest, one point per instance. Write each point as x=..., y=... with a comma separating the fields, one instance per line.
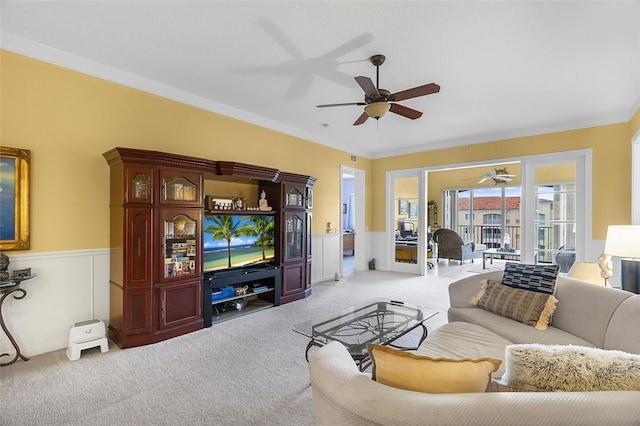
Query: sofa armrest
x=466, y=250
x=462, y=291
x=343, y=395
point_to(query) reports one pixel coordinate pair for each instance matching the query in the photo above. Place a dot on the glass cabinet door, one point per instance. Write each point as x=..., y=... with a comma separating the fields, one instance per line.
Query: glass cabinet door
x=294, y=237
x=180, y=188
x=294, y=198
x=180, y=246
x=139, y=184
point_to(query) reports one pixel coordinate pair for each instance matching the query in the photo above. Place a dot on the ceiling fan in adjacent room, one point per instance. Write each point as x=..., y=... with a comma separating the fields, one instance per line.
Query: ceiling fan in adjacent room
x=378, y=101
x=498, y=176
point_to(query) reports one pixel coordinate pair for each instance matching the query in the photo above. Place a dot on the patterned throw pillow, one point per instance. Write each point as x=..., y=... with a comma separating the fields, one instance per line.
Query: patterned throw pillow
x=528, y=307
x=539, y=278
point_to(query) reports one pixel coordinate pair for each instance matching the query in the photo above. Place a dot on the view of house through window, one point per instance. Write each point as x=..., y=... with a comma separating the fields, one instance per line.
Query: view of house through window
x=491, y=216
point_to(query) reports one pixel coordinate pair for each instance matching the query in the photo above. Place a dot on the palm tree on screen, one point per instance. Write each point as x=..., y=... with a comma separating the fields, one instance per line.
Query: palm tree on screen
x=263, y=227
x=227, y=227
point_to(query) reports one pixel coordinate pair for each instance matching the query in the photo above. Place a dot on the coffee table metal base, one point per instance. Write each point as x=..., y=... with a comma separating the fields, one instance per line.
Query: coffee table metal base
x=364, y=361
x=373, y=322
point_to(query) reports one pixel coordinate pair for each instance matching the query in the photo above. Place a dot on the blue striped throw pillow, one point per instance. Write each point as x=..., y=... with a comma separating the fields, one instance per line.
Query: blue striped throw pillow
x=538, y=278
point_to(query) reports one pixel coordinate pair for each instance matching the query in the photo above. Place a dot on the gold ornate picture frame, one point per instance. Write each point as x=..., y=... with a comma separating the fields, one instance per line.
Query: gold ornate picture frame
x=14, y=198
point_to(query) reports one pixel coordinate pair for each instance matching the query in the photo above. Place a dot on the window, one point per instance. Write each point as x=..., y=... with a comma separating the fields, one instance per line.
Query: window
x=492, y=219
x=556, y=223
x=496, y=209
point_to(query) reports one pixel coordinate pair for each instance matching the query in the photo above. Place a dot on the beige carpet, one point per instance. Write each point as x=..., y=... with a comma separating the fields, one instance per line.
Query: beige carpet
x=247, y=371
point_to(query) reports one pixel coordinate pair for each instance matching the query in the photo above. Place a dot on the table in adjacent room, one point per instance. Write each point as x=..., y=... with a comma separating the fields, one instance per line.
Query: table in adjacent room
x=497, y=253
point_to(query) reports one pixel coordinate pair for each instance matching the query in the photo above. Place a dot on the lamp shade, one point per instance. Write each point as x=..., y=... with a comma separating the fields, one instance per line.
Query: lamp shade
x=586, y=271
x=376, y=109
x=623, y=241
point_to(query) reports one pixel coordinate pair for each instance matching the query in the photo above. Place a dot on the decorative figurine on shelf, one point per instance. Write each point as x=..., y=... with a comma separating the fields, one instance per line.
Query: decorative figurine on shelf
x=238, y=203
x=263, y=204
x=4, y=266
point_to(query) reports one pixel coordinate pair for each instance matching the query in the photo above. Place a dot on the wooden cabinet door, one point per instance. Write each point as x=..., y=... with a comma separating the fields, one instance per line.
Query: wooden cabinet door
x=138, y=184
x=293, y=282
x=180, y=188
x=138, y=311
x=180, y=304
x=138, y=249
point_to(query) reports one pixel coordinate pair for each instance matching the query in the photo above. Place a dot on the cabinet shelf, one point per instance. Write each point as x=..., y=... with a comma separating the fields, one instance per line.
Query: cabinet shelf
x=241, y=212
x=266, y=278
x=252, y=306
x=241, y=296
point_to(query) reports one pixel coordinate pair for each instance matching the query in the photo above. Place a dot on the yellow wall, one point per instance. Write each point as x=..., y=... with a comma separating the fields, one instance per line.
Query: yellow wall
x=611, y=167
x=68, y=119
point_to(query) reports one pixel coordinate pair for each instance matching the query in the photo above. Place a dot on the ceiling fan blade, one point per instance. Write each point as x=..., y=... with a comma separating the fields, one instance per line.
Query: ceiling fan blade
x=361, y=119
x=344, y=104
x=405, y=112
x=427, y=89
x=368, y=86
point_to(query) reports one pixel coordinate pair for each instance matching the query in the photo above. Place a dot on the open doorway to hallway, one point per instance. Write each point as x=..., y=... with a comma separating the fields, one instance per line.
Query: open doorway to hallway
x=348, y=198
x=352, y=226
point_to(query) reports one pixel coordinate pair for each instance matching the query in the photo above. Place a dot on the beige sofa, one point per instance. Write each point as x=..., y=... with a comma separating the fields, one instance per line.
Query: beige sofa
x=586, y=315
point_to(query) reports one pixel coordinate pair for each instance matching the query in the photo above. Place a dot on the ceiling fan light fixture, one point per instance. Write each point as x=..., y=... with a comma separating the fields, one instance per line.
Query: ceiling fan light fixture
x=377, y=109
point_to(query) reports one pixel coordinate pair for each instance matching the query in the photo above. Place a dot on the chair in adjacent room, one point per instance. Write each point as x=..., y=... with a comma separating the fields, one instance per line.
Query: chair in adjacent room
x=451, y=246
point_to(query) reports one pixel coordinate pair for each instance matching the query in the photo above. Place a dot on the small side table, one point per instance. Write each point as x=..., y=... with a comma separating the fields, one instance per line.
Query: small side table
x=7, y=288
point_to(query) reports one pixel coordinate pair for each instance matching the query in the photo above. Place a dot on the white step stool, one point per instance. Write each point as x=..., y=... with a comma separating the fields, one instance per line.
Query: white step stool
x=85, y=335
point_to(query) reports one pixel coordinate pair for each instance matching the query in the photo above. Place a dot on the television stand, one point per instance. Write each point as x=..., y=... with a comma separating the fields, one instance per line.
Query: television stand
x=231, y=293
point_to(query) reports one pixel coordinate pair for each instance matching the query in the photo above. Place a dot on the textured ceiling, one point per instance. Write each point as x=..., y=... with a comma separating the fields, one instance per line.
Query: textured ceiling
x=506, y=68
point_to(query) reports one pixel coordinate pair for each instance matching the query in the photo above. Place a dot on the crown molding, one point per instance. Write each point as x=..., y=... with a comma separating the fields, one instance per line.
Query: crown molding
x=51, y=55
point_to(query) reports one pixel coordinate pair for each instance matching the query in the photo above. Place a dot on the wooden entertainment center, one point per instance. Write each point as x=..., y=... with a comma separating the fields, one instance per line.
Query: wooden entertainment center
x=158, y=288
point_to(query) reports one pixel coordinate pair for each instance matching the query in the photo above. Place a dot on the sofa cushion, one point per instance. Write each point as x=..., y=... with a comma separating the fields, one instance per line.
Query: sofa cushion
x=500, y=386
x=528, y=307
x=571, y=368
x=539, y=278
x=404, y=370
x=464, y=340
x=514, y=331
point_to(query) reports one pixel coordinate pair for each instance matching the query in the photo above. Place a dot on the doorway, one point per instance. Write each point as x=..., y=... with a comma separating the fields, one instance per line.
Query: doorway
x=352, y=221
x=407, y=233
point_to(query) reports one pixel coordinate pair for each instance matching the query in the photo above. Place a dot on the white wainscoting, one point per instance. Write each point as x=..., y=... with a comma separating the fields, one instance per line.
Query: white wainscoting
x=69, y=287
x=326, y=257
x=380, y=250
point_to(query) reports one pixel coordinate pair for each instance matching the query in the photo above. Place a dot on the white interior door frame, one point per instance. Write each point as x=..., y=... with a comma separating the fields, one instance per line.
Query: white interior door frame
x=635, y=179
x=391, y=176
x=360, y=238
x=582, y=159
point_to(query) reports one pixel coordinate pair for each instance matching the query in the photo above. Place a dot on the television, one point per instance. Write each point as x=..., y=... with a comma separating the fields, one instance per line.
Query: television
x=237, y=240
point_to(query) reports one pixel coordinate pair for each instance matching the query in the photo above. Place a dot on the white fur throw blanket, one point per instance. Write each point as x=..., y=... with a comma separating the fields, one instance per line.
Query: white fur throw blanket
x=570, y=368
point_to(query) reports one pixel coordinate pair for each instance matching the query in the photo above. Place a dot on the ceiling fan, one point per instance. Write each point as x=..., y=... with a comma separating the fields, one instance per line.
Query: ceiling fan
x=378, y=101
x=498, y=176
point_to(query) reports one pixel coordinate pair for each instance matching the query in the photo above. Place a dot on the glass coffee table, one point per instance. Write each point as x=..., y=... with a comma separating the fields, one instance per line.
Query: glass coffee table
x=375, y=321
